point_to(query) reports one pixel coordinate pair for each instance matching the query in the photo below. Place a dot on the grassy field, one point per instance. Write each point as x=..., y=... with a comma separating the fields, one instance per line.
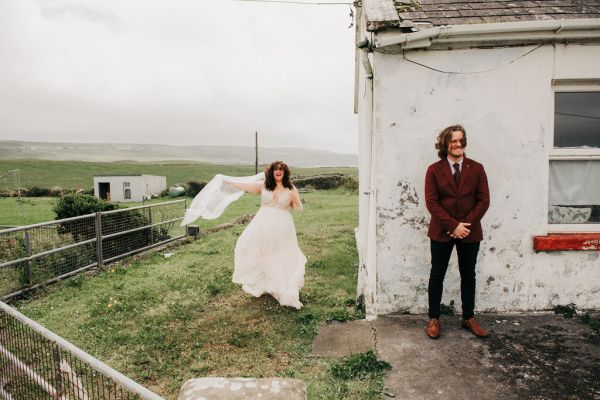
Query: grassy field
x=164, y=320
x=26, y=211
x=78, y=174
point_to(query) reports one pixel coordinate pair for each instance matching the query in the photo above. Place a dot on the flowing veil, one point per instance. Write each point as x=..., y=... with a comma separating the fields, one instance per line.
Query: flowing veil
x=214, y=198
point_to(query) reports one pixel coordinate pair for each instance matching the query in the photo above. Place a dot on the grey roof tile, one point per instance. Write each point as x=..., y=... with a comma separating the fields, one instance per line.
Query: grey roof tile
x=454, y=12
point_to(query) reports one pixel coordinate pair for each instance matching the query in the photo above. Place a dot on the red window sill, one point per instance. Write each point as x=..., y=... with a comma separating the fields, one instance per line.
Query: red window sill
x=567, y=241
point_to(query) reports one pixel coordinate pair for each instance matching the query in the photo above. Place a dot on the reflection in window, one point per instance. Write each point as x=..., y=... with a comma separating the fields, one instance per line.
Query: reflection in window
x=577, y=119
x=574, y=187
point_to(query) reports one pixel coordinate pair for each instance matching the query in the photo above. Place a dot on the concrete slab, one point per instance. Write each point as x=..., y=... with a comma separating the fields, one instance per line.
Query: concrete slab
x=214, y=388
x=457, y=366
x=341, y=339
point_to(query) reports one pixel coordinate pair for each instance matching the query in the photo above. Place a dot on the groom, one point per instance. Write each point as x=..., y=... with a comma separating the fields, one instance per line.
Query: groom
x=457, y=196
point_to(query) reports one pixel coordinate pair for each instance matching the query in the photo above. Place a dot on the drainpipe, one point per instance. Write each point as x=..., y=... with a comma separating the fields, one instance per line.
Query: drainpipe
x=371, y=298
x=370, y=294
x=571, y=29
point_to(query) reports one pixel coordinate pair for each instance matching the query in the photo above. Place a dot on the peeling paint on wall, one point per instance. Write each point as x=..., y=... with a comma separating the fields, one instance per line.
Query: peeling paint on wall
x=509, y=133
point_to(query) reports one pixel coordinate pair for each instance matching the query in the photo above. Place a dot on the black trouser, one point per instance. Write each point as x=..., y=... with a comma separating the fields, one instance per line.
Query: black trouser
x=467, y=258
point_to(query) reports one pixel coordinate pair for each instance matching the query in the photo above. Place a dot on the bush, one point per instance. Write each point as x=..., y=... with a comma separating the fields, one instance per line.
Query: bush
x=56, y=191
x=11, y=248
x=73, y=205
x=194, y=187
x=37, y=192
x=326, y=182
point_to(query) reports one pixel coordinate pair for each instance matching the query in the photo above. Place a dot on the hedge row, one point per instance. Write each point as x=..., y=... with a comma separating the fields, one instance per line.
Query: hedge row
x=43, y=192
x=326, y=182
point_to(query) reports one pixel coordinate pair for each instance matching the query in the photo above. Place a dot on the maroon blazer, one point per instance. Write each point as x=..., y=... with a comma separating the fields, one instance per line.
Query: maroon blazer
x=450, y=205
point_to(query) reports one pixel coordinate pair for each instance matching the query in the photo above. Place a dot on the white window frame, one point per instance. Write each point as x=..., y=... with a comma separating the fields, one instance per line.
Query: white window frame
x=572, y=85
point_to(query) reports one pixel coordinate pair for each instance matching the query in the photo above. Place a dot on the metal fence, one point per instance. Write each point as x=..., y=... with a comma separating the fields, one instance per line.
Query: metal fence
x=39, y=254
x=36, y=364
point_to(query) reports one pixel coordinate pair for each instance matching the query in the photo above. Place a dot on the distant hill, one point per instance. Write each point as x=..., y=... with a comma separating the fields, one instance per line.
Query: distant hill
x=300, y=157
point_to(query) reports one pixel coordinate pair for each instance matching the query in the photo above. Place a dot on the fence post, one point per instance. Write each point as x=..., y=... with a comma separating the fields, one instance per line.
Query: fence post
x=99, y=239
x=184, y=211
x=151, y=227
x=57, y=372
x=29, y=263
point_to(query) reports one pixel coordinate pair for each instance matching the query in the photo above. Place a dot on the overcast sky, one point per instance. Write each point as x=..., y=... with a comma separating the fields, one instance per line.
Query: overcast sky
x=181, y=72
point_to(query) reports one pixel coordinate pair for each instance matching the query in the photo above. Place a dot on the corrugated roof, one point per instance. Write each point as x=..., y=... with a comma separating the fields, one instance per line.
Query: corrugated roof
x=455, y=12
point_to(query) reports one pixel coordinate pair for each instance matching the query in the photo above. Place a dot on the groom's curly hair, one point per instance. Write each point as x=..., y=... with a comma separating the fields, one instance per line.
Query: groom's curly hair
x=270, y=178
x=444, y=138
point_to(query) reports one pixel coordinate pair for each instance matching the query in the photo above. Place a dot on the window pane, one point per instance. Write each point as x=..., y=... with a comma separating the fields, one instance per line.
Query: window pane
x=577, y=119
x=574, y=192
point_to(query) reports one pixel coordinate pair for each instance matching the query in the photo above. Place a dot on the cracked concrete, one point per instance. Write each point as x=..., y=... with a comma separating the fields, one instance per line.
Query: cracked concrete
x=453, y=366
x=527, y=356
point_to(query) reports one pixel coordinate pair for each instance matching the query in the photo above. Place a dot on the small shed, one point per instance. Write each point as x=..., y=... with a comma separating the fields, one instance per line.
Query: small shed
x=523, y=78
x=128, y=188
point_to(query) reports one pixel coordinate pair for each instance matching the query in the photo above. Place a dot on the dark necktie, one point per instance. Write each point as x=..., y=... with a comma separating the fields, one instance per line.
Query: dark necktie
x=456, y=167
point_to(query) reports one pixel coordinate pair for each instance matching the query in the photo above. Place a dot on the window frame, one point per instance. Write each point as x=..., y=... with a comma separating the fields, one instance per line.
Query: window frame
x=126, y=189
x=562, y=154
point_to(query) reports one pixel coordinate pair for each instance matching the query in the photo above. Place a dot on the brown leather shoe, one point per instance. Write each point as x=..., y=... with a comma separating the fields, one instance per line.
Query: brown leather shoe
x=476, y=329
x=433, y=328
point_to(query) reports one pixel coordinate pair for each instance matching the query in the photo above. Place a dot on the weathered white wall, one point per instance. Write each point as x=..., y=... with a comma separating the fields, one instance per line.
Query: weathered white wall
x=507, y=110
x=116, y=187
x=141, y=185
x=153, y=184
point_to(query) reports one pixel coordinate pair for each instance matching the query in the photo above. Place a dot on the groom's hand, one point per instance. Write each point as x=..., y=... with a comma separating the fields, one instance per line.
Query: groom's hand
x=461, y=231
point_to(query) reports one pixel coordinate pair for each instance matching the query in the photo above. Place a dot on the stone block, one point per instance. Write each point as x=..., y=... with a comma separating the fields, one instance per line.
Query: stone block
x=213, y=388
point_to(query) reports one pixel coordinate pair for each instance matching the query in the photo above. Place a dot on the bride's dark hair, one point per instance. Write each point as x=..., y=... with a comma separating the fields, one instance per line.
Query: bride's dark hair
x=270, y=178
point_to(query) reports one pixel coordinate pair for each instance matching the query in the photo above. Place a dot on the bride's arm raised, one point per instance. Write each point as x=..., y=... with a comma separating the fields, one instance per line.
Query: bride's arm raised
x=246, y=187
x=296, y=202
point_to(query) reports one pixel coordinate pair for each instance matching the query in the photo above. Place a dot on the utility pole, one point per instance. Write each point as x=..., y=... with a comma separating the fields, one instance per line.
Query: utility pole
x=256, y=151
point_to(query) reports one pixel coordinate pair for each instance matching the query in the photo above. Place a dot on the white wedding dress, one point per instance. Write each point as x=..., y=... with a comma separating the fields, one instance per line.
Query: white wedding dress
x=267, y=256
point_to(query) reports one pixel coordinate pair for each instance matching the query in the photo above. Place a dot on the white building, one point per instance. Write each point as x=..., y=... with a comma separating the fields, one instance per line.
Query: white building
x=127, y=188
x=523, y=78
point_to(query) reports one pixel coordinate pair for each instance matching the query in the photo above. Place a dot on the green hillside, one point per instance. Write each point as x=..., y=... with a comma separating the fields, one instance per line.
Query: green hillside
x=78, y=174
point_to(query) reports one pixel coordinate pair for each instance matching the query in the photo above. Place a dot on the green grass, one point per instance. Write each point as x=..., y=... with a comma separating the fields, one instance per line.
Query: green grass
x=28, y=210
x=79, y=174
x=164, y=320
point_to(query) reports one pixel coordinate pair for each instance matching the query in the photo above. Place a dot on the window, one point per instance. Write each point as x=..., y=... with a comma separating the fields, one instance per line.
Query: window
x=126, y=190
x=574, y=186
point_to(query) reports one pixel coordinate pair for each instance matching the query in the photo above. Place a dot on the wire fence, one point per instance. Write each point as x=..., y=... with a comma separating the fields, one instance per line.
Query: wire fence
x=39, y=254
x=36, y=364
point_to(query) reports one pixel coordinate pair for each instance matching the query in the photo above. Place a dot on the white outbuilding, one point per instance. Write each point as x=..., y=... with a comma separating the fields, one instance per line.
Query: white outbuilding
x=128, y=188
x=523, y=78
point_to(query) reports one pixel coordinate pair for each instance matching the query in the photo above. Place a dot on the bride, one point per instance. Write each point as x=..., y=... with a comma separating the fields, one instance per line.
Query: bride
x=267, y=256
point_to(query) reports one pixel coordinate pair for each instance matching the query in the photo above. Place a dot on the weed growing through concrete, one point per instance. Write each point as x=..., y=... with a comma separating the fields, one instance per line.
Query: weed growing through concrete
x=568, y=311
x=447, y=309
x=359, y=366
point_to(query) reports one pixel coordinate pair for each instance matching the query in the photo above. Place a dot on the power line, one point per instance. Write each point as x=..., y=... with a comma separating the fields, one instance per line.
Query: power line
x=578, y=115
x=471, y=72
